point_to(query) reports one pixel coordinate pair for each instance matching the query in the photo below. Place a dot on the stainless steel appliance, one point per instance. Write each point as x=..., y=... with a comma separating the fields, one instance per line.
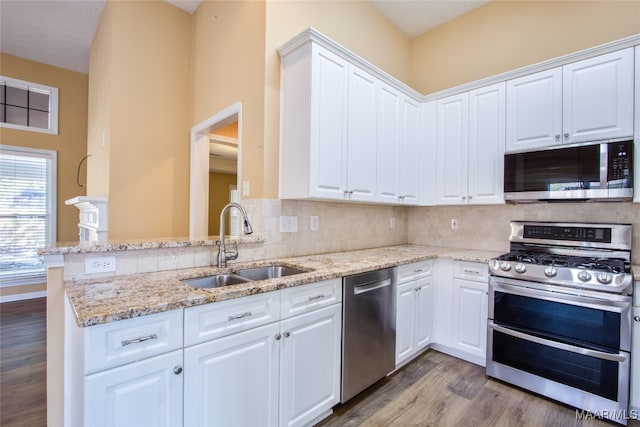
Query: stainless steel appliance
x=602, y=171
x=369, y=329
x=560, y=314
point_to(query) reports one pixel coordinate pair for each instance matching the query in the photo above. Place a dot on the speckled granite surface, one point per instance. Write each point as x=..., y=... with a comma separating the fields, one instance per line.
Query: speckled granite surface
x=63, y=248
x=99, y=301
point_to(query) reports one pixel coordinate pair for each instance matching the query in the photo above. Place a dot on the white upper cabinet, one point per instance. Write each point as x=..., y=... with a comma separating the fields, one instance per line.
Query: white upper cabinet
x=636, y=143
x=361, y=141
x=583, y=101
x=389, y=123
x=470, y=146
x=452, y=136
x=486, y=144
x=347, y=131
x=597, y=97
x=534, y=110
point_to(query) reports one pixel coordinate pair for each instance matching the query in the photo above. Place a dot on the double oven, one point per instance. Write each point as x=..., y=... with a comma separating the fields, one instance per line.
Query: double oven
x=560, y=314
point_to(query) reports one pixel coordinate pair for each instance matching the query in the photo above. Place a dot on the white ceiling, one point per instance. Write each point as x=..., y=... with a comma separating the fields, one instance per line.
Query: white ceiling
x=59, y=32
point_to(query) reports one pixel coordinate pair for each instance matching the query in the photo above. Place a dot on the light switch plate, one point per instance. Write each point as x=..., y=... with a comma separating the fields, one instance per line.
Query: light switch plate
x=315, y=223
x=106, y=264
x=288, y=224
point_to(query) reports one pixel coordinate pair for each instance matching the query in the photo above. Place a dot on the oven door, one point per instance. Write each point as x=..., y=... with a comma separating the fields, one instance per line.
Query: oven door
x=560, y=345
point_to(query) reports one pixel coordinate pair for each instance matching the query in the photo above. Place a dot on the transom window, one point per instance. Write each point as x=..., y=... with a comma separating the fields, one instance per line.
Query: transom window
x=28, y=106
x=27, y=212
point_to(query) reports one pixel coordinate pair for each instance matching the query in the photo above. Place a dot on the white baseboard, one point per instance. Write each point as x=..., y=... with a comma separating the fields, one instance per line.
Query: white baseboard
x=25, y=296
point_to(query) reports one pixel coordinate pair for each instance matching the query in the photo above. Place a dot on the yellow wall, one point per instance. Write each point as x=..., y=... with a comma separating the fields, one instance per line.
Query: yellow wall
x=146, y=120
x=71, y=141
x=506, y=35
x=219, y=187
x=227, y=67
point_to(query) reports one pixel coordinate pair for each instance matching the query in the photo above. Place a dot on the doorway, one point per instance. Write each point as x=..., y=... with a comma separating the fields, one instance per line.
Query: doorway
x=215, y=171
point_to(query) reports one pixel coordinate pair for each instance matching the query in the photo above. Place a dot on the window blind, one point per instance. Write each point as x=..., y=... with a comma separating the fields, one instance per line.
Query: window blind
x=26, y=211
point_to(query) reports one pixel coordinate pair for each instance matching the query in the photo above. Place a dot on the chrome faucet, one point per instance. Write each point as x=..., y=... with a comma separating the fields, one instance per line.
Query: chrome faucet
x=223, y=255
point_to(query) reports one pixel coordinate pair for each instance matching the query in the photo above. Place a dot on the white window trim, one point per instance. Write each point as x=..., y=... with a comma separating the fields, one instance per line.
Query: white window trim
x=53, y=206
x=53, y=114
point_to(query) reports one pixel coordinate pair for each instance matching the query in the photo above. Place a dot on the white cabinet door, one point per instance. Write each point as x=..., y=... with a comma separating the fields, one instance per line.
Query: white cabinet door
x=598, y=97
x=486, y=144
x=409, y=152
x=452, y=142
x=534, y=110
x=389, y=106
x=361, y=145
x=634, y=402
x=145, y=393
x=428, y=150
x=405, y=321
x=636, y=142
x=310, y=365
x=328, y=153
x=425, y=304
x=470, y=318
x=233, y=381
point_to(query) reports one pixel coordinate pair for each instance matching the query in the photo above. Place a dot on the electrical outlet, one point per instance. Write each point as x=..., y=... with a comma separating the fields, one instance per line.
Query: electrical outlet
x=106, y=264
x=392, y=222
x=245, y=188
x=454, y=224
x=315, y=223
x=288, y=224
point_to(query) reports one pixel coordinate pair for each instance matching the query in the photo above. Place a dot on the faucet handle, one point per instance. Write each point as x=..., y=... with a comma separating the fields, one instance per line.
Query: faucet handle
x=231, y=255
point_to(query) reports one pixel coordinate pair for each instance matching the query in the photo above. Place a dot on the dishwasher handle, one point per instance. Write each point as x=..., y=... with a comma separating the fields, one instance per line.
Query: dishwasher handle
x=370, y=286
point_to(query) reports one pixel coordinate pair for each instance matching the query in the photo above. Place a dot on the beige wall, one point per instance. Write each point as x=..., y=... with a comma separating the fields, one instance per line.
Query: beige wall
x=506, y=35
x=70, y=143
x=142, y=106
x=219, y=187
x=227, y=67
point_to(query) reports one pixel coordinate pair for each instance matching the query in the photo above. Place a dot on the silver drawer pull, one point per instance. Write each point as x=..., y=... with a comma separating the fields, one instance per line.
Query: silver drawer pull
x=418, y=270
x=315, y=297
x=240, y=316
x=472, y=271
x=125, y=343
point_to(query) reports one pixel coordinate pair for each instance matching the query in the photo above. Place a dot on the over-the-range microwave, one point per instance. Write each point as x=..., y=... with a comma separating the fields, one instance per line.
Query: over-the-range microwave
x=601, y=171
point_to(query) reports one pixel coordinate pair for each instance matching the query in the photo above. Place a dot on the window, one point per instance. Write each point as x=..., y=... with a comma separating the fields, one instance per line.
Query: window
x=27, y=212
x=28, y=106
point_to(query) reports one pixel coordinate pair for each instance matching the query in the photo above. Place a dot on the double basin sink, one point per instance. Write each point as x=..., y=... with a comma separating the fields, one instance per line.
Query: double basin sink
x=243, y=275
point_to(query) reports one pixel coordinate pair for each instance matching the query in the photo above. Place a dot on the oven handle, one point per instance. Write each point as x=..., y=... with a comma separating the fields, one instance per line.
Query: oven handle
x=558, y=345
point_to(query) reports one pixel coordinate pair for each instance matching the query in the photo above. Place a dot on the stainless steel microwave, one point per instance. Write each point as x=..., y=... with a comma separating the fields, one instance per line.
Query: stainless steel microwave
x=598, y=171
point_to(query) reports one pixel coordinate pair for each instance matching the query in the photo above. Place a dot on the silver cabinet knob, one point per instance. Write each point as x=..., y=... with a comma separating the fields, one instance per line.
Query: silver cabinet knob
x=277, y=337
x=177, y=369
x=566, y=136
x=287, y=334
x=557, y=137
x=636, y=318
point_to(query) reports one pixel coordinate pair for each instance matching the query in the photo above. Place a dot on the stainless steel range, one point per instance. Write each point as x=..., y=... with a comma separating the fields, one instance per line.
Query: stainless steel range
x=560, y=314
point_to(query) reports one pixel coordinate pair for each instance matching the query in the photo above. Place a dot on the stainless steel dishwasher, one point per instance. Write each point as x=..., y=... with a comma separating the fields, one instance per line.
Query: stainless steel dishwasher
x=368, y=329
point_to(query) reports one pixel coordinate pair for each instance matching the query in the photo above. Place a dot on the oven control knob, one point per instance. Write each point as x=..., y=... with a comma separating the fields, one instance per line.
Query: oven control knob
x=505, y=266
x=604, y=278
x=550, y=271
x=584, y=276
x=520, y=268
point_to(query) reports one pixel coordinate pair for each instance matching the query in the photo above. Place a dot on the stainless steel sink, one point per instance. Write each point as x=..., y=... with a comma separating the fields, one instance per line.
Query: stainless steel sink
x=267, y=272
x=215, y=281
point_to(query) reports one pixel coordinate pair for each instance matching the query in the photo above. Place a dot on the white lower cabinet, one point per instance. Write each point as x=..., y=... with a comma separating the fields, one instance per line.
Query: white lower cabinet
x=233, y=381
x=145, y=393
x=414, y=312
x=461, y=310
x=285, y=373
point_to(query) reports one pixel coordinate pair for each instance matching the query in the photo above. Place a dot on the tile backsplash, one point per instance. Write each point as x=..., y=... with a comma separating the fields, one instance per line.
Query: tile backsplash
x=487, y=227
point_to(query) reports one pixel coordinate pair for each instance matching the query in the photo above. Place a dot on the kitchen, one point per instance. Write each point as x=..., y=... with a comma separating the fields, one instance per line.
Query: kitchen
x=131, y=215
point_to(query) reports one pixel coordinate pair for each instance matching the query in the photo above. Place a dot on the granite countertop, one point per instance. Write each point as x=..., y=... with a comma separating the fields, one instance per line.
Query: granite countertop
x=97, y=301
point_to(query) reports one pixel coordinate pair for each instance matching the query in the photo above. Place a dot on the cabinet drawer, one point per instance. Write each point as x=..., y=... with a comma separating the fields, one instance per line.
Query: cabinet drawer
x=475, y=271
x=304, y=298
x=116, y=343
x=414, y=270
x=219, y=319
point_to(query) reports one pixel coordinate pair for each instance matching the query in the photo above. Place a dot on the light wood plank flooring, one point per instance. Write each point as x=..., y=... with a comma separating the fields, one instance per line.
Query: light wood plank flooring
x=23, y=363
x=437, y=390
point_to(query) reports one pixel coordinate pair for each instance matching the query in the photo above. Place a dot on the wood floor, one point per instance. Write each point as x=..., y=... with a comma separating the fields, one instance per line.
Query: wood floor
x=437, y=390
x=23, y=392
